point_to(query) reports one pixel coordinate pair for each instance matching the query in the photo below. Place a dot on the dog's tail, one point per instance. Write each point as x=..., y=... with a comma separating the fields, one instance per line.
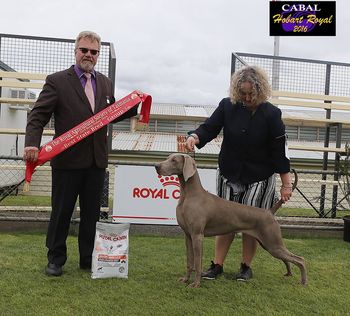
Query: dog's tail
x=274, y=208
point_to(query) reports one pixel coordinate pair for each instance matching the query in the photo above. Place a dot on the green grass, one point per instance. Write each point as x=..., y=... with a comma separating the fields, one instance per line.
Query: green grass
x=284, y=211
x=155, y=264
x=21, y=200
x=26, y=200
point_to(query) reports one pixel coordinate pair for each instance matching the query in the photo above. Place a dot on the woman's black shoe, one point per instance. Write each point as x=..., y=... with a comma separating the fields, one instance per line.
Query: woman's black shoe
x=245, y=273
x=214, y=270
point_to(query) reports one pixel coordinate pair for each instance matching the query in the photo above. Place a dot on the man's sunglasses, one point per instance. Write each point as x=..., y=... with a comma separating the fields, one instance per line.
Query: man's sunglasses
x=92, y=51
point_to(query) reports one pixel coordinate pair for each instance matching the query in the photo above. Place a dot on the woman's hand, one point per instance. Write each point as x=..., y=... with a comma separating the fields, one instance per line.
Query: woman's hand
x=286, y=187
x=191, y=141
x=286, y=193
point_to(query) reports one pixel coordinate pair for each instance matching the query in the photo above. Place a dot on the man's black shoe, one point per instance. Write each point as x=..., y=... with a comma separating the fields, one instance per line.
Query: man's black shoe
x=53, y=269
x=245, y=273
x=214, y=270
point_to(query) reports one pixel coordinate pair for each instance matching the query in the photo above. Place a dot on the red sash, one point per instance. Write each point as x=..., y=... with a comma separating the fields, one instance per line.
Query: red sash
x=86, y=128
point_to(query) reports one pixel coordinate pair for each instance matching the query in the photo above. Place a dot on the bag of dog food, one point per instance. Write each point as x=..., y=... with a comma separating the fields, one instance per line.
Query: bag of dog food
x=110, y=254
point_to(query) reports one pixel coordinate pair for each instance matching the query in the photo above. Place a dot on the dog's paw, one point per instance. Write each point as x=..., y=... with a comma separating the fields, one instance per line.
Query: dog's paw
x=194, y=285
x=183, y=279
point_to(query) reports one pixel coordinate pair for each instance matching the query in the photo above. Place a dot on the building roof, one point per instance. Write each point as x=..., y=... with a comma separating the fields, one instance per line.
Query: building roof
x=290, y=115
x=169, y=142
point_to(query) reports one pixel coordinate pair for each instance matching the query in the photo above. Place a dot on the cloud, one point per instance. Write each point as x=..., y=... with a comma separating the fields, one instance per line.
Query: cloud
x=178, y=51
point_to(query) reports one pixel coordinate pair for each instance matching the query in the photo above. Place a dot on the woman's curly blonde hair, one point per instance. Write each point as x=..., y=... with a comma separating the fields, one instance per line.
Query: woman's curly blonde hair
x=259, y=80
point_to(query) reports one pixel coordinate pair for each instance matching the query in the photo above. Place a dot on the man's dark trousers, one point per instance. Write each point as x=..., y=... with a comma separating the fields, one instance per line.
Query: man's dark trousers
x=67, y=185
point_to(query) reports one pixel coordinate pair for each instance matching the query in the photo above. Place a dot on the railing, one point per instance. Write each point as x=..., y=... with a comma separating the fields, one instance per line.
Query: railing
x=306, y=196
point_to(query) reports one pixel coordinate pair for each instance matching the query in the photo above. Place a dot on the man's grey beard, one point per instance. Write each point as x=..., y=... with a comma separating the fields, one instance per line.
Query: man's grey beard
x=87, y=66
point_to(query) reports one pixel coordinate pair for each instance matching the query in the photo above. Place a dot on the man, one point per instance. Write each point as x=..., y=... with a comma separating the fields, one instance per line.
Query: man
x=78, y=171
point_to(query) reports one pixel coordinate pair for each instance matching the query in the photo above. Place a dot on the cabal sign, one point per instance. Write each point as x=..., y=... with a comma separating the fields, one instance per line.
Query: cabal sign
x=310, y=18
x=300, y=7
x=141, y=196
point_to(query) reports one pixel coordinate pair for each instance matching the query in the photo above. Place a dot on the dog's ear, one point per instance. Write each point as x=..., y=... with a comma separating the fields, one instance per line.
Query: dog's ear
x=189, y=168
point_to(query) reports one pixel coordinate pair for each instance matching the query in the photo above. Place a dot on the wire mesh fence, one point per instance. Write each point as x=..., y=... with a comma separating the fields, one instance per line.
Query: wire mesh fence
x=326, y=192
x=299, y=75
x=305, y=76
x=323, y=192
x=45, y=55
x=33, y=54
x=317, y=191
x=307, y=196
x=11, y=176
x=36, y=203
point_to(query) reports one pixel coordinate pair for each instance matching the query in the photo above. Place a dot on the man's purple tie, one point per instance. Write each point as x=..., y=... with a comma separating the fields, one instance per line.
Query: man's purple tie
x=89, y=91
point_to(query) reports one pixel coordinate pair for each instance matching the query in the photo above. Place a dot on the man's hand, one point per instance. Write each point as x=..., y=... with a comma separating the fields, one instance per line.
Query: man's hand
x=31, y=154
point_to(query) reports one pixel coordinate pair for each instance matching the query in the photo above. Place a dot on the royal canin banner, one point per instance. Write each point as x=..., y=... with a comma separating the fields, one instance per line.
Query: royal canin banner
x=148, y=198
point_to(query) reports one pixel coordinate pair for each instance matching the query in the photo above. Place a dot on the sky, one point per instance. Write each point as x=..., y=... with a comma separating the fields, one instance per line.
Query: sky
x=178, y=51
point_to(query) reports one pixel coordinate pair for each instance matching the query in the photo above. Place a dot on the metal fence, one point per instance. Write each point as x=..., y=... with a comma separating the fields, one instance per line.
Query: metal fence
x=307, y=76
x=41, y=55
x=14, y=201
x=303, y=76
x=47, y=55
x=306, y=196
x=299, y=75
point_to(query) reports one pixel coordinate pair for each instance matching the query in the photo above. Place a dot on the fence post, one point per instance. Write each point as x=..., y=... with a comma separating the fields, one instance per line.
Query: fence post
x=336, y=174
x=105, y=190
x=326, y=143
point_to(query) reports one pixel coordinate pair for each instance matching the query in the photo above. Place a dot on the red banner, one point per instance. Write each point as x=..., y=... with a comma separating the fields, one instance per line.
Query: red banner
x=91, y=125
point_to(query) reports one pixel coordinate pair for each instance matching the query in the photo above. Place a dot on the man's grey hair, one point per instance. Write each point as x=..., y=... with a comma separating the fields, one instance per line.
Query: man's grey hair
x=92, y=36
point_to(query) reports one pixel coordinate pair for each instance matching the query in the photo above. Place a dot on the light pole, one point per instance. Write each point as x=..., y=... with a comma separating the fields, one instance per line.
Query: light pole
x=276, y=62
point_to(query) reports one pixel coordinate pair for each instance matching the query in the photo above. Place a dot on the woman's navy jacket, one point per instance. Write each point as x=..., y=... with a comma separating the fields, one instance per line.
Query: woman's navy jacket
x=254, y=145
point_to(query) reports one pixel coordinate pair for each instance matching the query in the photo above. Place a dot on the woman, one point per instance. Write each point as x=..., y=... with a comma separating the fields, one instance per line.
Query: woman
x=252, y=151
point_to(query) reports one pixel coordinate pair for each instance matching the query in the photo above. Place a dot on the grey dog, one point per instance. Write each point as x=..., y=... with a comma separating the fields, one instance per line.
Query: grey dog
x=200, y=213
